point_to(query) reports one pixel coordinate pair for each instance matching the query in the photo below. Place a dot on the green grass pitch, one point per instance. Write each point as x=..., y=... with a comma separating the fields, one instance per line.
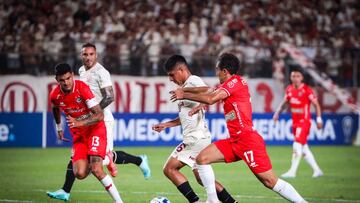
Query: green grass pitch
x=26, y=175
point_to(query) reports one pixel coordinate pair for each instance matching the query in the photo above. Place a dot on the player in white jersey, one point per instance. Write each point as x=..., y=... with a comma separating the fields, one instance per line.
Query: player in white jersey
x=99, y=81
x=196, y=135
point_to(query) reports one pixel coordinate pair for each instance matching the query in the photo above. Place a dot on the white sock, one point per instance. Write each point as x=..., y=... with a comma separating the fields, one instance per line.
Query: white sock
x=287, y=191
x=208, y=179
x=296, y=157
x=309, y=157
x=111, y=189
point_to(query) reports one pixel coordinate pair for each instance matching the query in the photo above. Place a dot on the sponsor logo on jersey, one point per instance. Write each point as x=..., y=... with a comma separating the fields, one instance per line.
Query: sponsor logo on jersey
x=231, y=83
x=70, y=110
x=294, y=101
x=297, y=110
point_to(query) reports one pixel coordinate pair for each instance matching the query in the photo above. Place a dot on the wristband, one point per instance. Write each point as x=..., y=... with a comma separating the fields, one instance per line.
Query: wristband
x=58, y=127
x=319, y=119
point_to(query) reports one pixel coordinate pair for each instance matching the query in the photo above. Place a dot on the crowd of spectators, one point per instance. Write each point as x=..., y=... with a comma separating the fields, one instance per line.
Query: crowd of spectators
x=134, y=37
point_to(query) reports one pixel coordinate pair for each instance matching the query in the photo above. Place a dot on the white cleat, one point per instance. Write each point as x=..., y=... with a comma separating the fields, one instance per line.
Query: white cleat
x=288, y=175
x=317, y=174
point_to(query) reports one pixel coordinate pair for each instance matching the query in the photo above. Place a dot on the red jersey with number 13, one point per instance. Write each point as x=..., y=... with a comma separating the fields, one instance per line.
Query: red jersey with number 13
x=237, y=106
x=300, y=99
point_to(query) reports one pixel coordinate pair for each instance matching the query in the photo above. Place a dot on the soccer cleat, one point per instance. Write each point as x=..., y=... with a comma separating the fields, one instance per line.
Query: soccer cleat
x=59, y=194
x=317, y=174
x=144, y=166
x=111, y=166
x=288, y=175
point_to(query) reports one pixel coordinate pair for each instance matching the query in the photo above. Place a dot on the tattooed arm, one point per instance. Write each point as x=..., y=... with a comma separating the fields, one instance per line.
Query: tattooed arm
x=96, y=116
x=108, y=96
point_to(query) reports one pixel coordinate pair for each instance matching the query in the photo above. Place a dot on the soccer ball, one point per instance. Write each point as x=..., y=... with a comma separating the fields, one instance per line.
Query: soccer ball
x=160, y=200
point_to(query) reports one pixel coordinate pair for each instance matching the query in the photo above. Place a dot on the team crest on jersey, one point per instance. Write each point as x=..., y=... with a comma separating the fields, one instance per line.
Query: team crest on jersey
x=230, y=116
x=301, y=93
x=78, y=100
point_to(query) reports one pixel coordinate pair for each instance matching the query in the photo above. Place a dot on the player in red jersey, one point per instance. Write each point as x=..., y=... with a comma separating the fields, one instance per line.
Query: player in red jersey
x=244, y=142
x=85, y=120
x=300, y=97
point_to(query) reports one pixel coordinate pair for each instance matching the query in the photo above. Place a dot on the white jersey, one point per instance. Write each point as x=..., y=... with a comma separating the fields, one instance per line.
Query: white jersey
x=97, y=78
x=196, y=122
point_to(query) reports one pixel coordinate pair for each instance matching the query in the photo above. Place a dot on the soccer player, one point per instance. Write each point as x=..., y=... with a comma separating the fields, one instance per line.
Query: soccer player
x=244, y=142
x=300, y=96
x=99, y=81
x=196, y=135
x=85, y=120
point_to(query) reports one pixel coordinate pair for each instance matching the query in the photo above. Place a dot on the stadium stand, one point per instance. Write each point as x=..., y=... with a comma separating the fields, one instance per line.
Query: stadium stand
x=134, y=37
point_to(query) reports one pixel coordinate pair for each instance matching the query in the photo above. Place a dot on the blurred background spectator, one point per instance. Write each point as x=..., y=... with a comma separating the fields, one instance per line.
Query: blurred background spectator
x=134, y=37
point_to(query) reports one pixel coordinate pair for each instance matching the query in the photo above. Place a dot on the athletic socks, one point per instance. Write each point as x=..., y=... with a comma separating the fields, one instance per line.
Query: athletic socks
x=208, y=179
x=287, y=191
x=296, y=157
x=111, y=189
x=225, y=197
x=69, y=178
x=309, y=158
x=188, y=192
x=121, y=157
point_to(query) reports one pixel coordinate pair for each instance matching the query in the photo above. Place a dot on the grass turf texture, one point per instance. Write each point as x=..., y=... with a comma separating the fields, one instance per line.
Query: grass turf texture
x=27, y=173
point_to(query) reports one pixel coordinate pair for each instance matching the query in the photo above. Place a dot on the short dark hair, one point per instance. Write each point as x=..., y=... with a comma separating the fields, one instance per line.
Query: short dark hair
x=229, y=62
x=173, y=61
x=89, y=45
x=297, y=69
x=62, y=68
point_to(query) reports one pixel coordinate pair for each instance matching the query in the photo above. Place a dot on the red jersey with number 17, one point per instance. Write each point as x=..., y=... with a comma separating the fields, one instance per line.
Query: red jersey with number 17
x=77, y=103
x=300, y=99
x=237, y=106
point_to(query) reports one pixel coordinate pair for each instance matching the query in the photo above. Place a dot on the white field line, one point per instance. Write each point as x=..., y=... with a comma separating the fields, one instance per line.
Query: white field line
x=234, y=195
x=14, y=200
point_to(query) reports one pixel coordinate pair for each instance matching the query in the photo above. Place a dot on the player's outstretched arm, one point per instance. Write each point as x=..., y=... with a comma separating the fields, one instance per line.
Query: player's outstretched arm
x=96, y=116
x=108, y=96
x=161, y=126
x=280, y=108
x=196, y=90
x=206, y=98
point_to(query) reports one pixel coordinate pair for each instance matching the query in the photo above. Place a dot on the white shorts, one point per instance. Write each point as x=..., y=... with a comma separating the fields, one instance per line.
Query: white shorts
x=187, y=153
x=109, y=135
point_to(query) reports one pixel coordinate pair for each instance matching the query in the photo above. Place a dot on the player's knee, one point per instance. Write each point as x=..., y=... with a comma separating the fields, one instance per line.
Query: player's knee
x=81, y=174
x=168, y=171
x=269, y=182
x=202, y=160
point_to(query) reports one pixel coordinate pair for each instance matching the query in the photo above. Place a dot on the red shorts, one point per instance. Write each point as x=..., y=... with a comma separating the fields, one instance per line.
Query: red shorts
x=301, y=131
x=89, y=141
x=250, y=147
